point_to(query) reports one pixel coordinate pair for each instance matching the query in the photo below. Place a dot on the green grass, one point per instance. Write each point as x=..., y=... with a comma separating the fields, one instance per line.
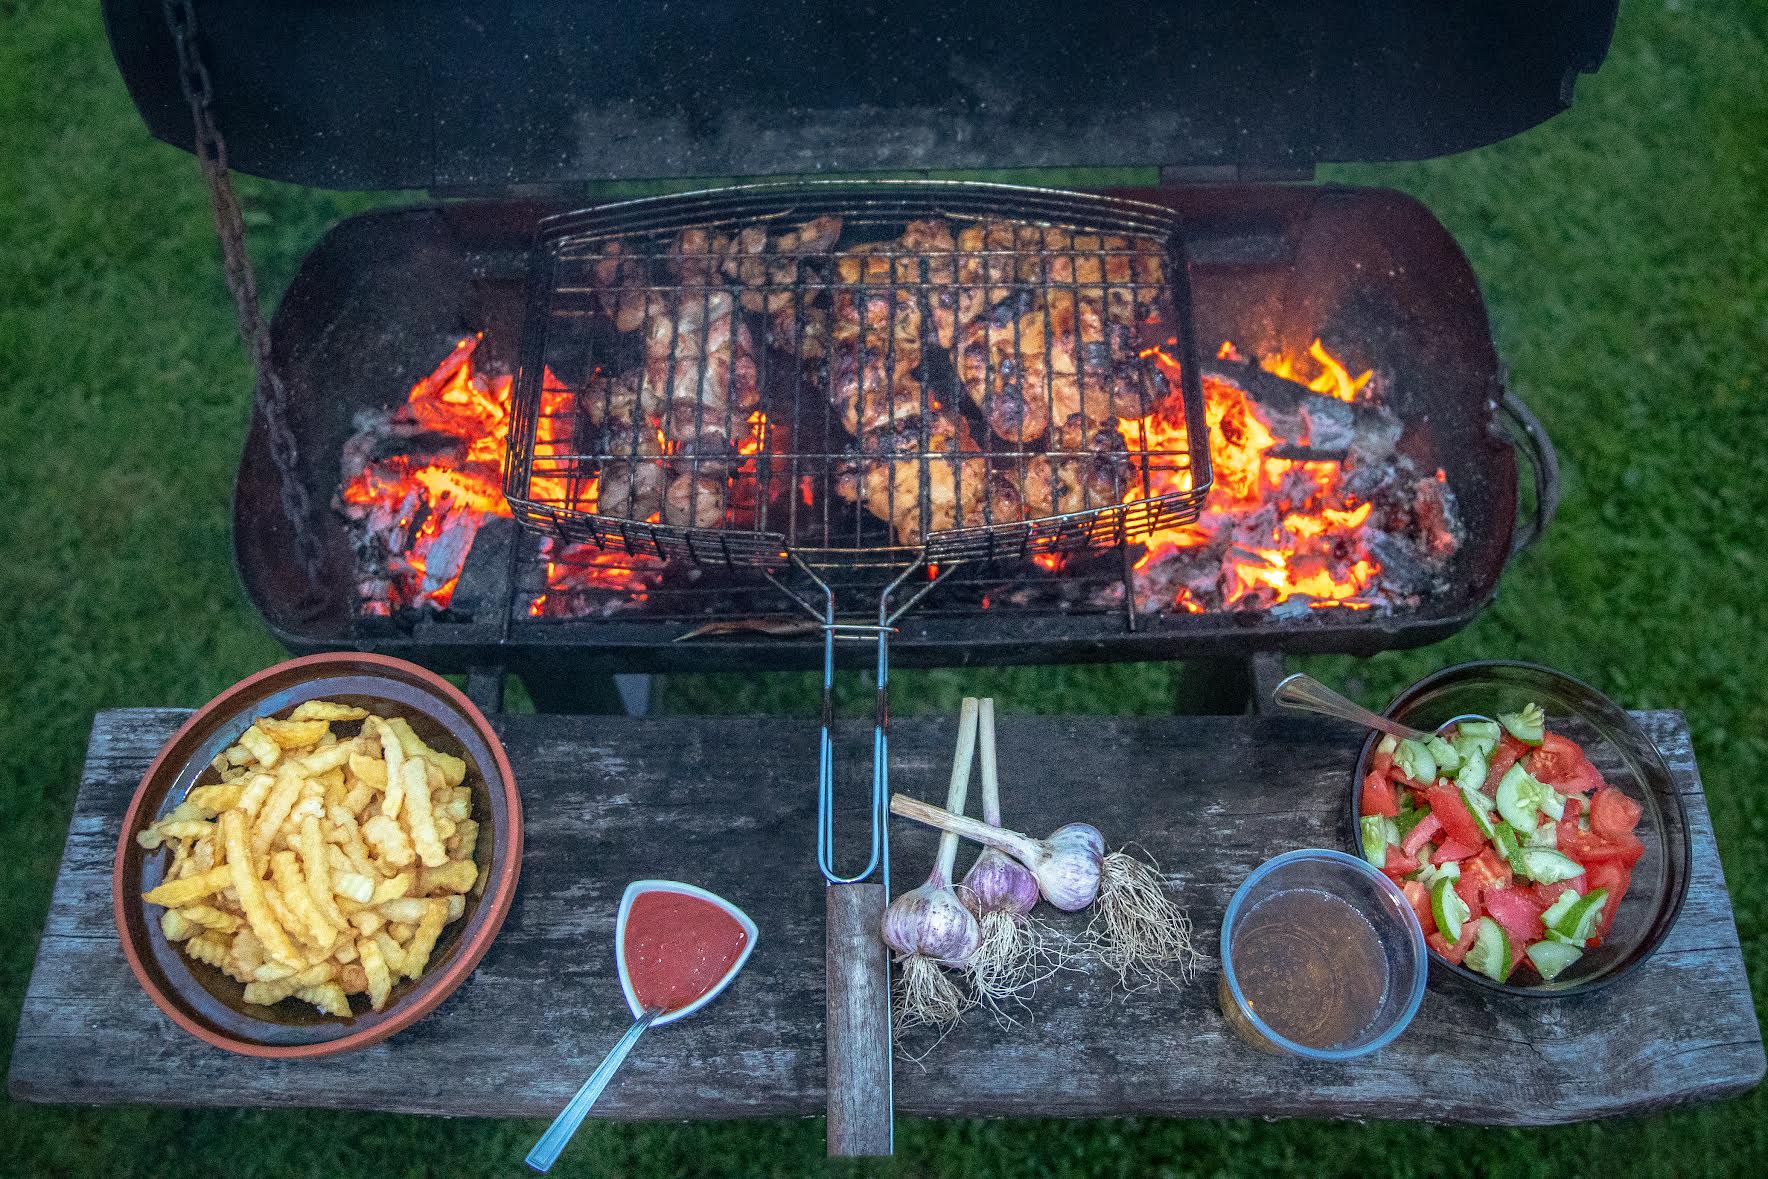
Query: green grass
x=1624, y=253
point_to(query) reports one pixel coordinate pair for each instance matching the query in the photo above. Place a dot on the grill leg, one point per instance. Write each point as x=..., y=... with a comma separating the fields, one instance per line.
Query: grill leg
x=1228, y=686
x=565, y=690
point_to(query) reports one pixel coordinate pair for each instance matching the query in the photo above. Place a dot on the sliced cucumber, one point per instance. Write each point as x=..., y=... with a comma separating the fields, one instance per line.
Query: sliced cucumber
x=1490, y=952
x=1408, y=819
x=1448, y=759
x=1429, y=874
x=1482, y=729
x=1416, y=762
x=1551, y=957
x=1577, y=923
x=1517, y=798
x=1387, y=745
x=1504, y=839
x=1546, y=835
x=1378, y=831
x=1546, y=865
x=1550, y=918
x=1449, y=909
x=1480, y=807
x=1473, y=737
x=1472, y=774
x=1551, y=802
x=1528, y=725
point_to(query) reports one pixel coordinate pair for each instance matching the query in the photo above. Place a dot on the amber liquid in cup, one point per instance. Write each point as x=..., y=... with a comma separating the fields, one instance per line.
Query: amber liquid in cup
x=1311, y=966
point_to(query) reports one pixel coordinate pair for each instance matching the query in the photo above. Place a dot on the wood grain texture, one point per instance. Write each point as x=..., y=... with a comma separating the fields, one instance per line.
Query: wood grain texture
x=857, y=969
x=730, y=804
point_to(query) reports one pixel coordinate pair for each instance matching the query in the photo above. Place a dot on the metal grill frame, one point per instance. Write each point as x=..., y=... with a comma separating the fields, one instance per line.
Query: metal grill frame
x=777, y=206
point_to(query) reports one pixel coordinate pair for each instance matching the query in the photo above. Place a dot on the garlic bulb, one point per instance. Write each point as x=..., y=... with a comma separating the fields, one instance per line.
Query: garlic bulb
x=1067, y=865
x=931, y=921
x=997, y=883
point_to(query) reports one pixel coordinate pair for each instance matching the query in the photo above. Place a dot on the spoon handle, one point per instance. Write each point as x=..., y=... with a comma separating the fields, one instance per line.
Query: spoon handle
x=1304, y=692
x=546, y=1151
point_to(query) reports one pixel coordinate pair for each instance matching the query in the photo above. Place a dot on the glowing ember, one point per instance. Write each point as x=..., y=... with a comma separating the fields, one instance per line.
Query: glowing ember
x=421, y=480
x=1272, y=528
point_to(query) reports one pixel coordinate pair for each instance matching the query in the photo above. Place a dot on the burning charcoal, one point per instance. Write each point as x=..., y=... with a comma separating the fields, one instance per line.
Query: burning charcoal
x=1404, y=568
x=1434, y=511
x=446, y=554
x=1294, y=607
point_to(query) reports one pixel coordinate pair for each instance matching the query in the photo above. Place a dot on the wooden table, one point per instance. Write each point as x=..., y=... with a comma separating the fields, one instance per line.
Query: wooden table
x=729, y=804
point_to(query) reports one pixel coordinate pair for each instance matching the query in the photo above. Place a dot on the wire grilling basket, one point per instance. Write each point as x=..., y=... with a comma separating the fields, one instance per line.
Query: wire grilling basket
x=858, y=374
x=879, y=377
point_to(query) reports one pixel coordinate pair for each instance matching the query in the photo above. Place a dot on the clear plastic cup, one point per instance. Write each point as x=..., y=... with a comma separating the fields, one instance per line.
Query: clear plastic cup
x=1320, y=944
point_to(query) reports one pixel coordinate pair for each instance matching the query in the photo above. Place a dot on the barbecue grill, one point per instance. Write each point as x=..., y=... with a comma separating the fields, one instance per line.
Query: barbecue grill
x=506, y=114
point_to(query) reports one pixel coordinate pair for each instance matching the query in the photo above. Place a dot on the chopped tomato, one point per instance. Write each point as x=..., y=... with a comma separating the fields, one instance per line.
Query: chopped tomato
x=1452, y=850
x=1488, y=869
x=1613, y=814
x=1574, y=807
x=1508, y=753
x=1381, y=763
x=1420, y=835
x=1419, y=898
x=1379, y=796
x=1399, y=863
x=1561, y=764
x=1515, y=910
x=1446, y=804
x=1616, y=880
x=1624, y=849
x=1545, y=894
x=1455, y=951
x=1468, y=888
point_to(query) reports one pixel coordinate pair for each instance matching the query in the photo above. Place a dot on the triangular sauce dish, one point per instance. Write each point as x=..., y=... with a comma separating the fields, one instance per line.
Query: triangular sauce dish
x=677, y=947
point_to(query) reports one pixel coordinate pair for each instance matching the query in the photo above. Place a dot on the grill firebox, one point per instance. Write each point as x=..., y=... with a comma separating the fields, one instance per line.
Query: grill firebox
x=1370, y=271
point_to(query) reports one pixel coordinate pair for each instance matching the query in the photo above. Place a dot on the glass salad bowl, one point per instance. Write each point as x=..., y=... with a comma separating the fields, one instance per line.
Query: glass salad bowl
x=1627, y=760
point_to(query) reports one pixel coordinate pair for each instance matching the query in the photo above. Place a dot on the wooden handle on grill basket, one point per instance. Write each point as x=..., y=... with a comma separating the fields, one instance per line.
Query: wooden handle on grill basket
x=857, y=1033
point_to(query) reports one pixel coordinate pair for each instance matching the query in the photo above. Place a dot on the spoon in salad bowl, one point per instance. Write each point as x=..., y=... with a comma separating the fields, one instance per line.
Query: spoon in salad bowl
x=1306, y=694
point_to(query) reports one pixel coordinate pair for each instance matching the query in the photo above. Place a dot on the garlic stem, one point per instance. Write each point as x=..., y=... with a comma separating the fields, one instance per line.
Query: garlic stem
x=991, y=782
x=958, y=791
x=1022, y=847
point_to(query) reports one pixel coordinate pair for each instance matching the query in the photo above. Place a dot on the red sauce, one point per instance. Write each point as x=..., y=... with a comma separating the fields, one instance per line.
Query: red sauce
x=677, y=948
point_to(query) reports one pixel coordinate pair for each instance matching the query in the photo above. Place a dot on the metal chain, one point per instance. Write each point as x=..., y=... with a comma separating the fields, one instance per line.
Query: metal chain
x=269, y=394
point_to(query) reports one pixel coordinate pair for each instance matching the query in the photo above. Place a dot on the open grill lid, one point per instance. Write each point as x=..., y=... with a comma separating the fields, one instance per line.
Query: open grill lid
x=453, y=95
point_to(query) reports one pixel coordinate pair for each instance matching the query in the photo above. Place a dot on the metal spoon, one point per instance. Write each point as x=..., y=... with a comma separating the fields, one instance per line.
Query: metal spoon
x=546, y=1151
x=1307, y=694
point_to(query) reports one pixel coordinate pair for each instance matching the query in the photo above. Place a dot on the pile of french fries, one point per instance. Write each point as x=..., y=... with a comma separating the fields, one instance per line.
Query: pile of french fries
x=321, y=865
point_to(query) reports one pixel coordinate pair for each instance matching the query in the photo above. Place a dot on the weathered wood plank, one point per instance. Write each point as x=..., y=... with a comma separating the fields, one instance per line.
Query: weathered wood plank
x=729, y=804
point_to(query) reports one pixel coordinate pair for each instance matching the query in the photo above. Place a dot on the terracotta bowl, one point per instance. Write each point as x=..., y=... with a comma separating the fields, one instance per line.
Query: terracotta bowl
x=208, y=1003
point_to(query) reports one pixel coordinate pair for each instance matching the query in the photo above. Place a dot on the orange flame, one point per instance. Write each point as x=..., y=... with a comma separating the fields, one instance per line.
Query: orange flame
x=1303, y=549
x=462, y=491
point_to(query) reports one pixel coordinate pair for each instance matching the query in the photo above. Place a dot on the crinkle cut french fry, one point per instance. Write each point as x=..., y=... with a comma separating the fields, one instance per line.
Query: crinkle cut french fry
x=394, y=755
x=257, y=789
x=259, y=744
x=251, y=890
x=418, y=816
x=176, y=926
x=453, y=769
x=318, y=868
x=292, y=734
x=379, y=973
x=456, y=876
x=392, y=888
x=210, y=917
x=283, y=797
x=176, y=893
x=423, y=939
x=405, y=910
x=292, y=883
x=325, y=759
x=388, y=840
x=328, y=997
x=326, y=710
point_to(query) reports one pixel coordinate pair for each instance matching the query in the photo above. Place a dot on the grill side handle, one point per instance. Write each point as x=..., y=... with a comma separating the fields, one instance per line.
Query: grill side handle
x=1530, y=439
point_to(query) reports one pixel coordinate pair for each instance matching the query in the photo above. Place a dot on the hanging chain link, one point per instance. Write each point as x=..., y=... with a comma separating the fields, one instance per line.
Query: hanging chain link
x=269, y=393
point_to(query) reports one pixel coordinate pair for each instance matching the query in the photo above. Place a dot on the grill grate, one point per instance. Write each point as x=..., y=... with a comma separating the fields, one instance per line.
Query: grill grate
x=857, y=374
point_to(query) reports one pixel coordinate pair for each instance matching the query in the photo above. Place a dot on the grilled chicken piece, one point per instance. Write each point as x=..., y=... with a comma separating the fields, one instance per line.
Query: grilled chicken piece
x=631, y=483
x=774, y=272
x=618, y=401
x=1086, y=467
x=701, y=351
x=694, y=501
x=622, y=279
x=903, y=470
